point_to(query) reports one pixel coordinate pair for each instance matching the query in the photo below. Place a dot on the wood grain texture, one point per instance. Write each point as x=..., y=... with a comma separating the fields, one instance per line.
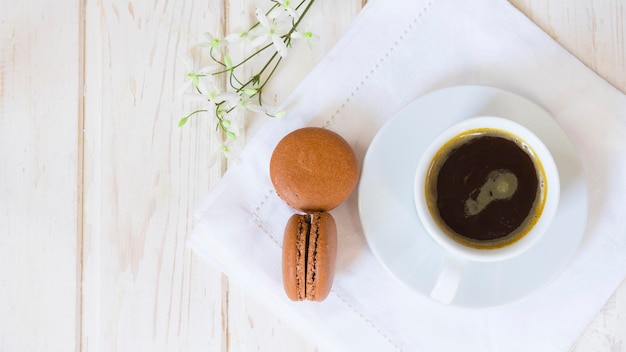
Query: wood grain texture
x=143, y=288
x=98, y=185
x=39, y=173
x=593, y=31
x=607, y=332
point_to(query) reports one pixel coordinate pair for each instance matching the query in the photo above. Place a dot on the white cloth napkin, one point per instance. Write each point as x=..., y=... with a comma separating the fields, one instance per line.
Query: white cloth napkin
x=396, y=51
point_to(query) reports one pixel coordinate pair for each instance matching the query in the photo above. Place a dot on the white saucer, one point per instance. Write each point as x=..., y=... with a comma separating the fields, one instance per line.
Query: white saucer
x=392, y=227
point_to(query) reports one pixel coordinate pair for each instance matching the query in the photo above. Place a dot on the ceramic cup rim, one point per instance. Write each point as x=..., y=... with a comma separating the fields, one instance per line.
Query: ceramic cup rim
x=552, y=193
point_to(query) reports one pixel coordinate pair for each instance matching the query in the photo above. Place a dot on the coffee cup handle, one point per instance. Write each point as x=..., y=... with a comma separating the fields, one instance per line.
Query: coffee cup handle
x=449, y=278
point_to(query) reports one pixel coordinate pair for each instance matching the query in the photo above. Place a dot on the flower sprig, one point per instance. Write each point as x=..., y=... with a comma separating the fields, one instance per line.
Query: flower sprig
x=270, y=38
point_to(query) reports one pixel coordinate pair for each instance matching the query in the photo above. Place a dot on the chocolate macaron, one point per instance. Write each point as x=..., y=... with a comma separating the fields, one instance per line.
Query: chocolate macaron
x=313, y=169
x=309, y=255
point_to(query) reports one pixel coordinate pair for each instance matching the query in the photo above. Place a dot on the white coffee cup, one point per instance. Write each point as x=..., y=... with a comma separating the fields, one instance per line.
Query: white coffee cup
x=459, y=254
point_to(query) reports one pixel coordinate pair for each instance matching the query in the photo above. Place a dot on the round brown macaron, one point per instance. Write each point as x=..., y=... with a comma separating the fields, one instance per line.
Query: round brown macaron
x=313, y=169
x=309, y=256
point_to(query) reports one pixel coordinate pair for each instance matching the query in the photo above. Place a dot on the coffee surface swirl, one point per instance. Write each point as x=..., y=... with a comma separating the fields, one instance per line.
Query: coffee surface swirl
x=485, y=189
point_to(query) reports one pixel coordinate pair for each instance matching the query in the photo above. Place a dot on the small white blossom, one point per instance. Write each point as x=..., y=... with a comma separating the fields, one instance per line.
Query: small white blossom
x=308, y=36
x=286, y=5
x=220, y=152
x=230, y=108
x=245, y=103
x=228, y=99
x=211, y=94
x=193, y=76
x=238, y=36
x=212, y=41
x=214, y=44
x=228, y=150
x=271, y=29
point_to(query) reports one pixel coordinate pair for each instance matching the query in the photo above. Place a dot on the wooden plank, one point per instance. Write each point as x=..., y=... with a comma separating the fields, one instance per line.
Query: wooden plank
x=40, y=165
x=143, y=289
x=252, y=325
x=607, y=332
x=593, y=31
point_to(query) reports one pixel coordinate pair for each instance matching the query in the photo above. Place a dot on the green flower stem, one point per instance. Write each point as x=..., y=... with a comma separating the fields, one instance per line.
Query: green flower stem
x=184, y=119
x=232, y=76
x=260, y=89
x=300, y=4
x=264, y=68
x=216, y=60
x=251, y=86
x=295, y=26
x=239, y=64
x=287, y=38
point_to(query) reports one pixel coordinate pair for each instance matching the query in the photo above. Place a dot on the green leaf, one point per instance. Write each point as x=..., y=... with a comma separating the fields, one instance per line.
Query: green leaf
x=183, y=121
x=228, y=62
x=279, y=114
x=250, y=91
x=231, y=135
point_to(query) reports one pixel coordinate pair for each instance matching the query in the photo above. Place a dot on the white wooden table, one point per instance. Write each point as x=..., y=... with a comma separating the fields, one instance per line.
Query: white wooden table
x=98, y=185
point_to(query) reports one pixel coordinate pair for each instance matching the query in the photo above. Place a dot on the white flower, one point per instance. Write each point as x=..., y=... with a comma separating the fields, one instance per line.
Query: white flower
x=308, y=36
x=232, y=108
x=214, y=44
x=220, y=152
x=228, y=99
x=212, y=94
x=285, y=5
x=238, y=36
x=228, y=150
x=245, y=103
x=271, y=29
x=212, y=41
x=193, y=76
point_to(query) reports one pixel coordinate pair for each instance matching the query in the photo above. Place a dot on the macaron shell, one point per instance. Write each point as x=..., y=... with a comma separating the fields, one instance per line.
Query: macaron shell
x=313, y=169
x=294, y=256
x=321, y=257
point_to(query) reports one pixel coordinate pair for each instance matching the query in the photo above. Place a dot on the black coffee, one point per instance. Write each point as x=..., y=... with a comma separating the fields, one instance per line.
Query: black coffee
x=485, y=188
